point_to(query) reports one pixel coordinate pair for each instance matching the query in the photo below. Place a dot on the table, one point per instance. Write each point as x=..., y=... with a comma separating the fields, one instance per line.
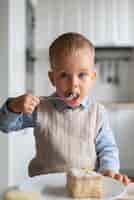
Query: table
x=129, y=194
x=57, y=181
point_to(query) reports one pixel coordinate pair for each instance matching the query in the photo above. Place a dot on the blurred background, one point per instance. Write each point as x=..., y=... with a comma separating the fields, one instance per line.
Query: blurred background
x=27, y=27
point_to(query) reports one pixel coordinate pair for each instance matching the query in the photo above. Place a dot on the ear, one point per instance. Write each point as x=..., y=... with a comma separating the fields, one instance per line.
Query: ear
x=93, y=75
x=51, y=77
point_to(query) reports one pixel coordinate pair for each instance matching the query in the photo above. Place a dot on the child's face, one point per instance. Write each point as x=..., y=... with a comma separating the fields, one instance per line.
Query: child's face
x=74, y=73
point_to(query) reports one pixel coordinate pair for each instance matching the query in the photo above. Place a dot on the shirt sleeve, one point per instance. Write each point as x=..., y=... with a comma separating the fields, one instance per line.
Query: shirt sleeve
x=106, y=147
x=10, y=121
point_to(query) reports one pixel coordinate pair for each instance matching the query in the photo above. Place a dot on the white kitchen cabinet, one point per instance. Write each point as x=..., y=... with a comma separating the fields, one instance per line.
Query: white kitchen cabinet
x=105, y=22
x=102, y=22
x=124, y=23
x=113, y=21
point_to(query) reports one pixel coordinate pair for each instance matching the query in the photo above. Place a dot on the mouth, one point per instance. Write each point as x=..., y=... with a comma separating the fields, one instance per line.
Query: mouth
x=72, y=96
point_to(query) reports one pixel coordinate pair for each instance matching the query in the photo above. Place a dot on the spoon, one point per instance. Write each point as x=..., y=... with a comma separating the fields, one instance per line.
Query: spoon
x=70, y=96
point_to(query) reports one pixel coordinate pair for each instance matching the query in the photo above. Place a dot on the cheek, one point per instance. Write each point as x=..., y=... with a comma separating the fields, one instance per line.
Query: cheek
x=87, y=84
x=60, y=85
x=57, y=81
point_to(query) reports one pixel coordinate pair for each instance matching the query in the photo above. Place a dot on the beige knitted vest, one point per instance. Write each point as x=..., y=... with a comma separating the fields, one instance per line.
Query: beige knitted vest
x=65, y=139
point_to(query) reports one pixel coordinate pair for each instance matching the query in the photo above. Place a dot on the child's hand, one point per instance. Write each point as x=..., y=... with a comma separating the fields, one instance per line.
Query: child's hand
x=121, y=177
x=25, y=103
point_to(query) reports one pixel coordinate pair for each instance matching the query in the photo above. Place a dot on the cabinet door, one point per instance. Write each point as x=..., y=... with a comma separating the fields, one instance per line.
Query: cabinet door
x=124, y=22
x=113, y=22
x=87, y=19
x=102, y=22
x=105, y=22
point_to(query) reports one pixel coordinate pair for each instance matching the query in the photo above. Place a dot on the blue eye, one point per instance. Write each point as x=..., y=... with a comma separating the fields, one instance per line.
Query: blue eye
x=82, y=74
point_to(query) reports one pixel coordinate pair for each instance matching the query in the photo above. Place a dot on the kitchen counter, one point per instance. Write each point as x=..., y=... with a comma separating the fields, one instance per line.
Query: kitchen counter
x=118, y=104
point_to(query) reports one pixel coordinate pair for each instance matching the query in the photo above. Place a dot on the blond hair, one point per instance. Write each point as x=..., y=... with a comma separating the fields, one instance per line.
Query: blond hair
x=66, y=44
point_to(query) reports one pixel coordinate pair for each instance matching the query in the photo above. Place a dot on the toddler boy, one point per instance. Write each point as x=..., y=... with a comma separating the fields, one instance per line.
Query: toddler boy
x=70, y=129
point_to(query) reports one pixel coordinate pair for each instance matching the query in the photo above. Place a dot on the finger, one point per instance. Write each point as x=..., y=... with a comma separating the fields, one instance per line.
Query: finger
x=30, y=105
x=34, y=103
x=29, y=109
x=119, y=177
x=30, y=97
x=108, y=173
x=126, y=180
x=41, y=98
x=36, y=99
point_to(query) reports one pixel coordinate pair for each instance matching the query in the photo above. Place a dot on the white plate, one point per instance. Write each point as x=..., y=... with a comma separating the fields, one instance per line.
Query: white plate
x=52, y=187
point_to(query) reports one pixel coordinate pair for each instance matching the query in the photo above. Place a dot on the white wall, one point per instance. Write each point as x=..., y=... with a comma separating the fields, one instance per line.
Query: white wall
x=4, y=49
x=16, y=149
x=4, y=54
x=21, y=142
x=16, y=47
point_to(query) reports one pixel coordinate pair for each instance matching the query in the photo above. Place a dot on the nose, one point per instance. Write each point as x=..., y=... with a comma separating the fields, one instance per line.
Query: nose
x=74, y=83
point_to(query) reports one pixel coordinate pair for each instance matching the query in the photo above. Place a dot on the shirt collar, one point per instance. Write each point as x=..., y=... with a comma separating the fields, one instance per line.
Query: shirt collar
x=60, y=105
